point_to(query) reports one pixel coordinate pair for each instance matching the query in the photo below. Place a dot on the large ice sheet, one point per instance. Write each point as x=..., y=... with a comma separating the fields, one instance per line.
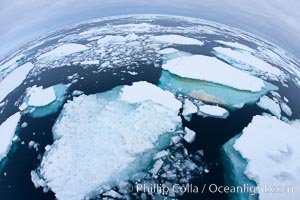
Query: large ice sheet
x=64, y=50
x=271, y=148
x=245, y=60
x=177, y=39
x=14, y=79
x=210, y=69
x=102, y=139
x=211, y=92
x=7, y=133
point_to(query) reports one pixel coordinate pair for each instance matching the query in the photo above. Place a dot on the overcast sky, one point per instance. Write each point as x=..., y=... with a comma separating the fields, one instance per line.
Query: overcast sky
x=275, y=20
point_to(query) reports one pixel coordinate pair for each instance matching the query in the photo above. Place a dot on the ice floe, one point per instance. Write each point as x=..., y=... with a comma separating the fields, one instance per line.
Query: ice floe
x=149, y=92
x=270, y=105
x=189, y=136
x=14, y=79
x=213, y=111
x=40, y=97
x=167, y=51
x=188, y=109
x=235, y=45
x=213, y=70
x=101, y=145
x=64, y=50
x=270, y=151
x=177, y=39
x=7, y=132
x=40, y=102
x=210, y=92
x=90, y=62
x=245, y=60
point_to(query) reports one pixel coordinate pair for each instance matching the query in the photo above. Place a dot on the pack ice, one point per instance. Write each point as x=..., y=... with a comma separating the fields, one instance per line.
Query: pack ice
x=104, y=138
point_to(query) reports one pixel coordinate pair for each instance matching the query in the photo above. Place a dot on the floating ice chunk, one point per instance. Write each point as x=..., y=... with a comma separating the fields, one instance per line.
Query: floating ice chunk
x=91, y=125
x=108, y=39
x=188, y=109
x=40, y=97
x=157, y=165
x=236, y=45
x=211, y=69
x=113, y=194
x=213, y=111
x=247, y=58
x=37, y=181
x=190, y=135
x=177, y=39
x=168, y=51
x=149, y=92
x=286, y=109
x=90, y=62
x=161, y=154
x=77, y=93
x=132, y=73
x=270, y=105
x=64, y=50
x=41, y=102
x=14, y=79
x=273, y=161
x=7, y=133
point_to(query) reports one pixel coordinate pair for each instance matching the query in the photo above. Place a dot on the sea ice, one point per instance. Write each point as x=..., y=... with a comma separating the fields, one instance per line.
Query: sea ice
x=96, y=144
x=213, y=111
x=177, y=39
x=207, y=68
x=7, y=133
x=273, y=161
x=14, y=79
x=40, y=97
x=235, y=45
x=270, y=105
x=64, y=50
x=242, y=59
x=188, y=109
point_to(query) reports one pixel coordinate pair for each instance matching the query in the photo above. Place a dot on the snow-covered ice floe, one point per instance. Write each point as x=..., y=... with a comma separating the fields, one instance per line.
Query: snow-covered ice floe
x=246, y=61
x=97, y=145
x=7, y=133
x=235, y=45
x=265, y=154
x=14, y=79
x=213, y=111
x=63, y=50
x=270, y=105
x=188, y=109
x=211, y=69
x=211, y=81
x=40, y=102
x=177, y=39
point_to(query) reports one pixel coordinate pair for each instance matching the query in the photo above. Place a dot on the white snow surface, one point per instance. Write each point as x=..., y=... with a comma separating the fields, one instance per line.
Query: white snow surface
x=249, y=59
x=270, y=105
x=168, y=51
x=64, y=50
x=188, y=108
x=213, y=70
x=7, y=133
x=96, y=143
x=90, y=62
x=177, y=39
x=235, y=45
x=214, y=111
x=40, y=97
x=143, y=91
x=117, y=39
x=190, y=135
x=271, y=148
x=14, y=79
